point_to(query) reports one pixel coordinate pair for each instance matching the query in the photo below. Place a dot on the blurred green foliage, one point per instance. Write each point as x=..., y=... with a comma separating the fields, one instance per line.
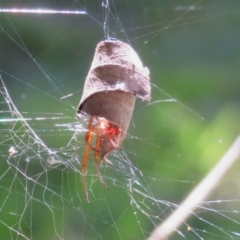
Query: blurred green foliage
x=193, y=57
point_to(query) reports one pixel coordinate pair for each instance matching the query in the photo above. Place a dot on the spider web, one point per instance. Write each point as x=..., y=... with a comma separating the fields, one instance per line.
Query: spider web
x=169, y=148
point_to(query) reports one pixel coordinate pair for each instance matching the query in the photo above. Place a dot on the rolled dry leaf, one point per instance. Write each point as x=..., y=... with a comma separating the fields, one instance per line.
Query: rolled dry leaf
x=115, y=79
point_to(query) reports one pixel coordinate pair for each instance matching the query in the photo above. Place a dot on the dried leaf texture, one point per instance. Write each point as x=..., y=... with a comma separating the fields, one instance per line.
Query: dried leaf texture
x=115, y=79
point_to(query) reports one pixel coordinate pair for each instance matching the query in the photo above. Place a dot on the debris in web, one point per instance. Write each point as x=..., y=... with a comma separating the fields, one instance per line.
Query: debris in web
x=115, y=79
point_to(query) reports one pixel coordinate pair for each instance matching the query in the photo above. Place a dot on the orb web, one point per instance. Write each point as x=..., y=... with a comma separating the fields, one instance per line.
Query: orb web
x=168, y=149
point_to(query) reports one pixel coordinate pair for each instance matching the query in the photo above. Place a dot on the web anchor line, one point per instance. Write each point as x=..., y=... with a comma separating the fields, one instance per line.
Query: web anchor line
x=40, y=11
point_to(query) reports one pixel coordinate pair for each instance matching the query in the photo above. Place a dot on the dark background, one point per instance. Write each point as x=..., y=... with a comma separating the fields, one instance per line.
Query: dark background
x=192, y=51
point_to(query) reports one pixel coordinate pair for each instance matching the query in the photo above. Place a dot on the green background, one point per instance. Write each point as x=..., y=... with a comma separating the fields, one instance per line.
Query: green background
x=192, y=51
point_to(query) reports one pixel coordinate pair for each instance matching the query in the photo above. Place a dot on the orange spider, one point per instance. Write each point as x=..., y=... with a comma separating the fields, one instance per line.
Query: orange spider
x=115, y=79
x=108, y=137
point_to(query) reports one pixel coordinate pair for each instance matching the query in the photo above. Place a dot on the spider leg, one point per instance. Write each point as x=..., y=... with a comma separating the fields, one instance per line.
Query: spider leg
x=106, y=161
x=88, y=139
x=114, y=144
x=120, y=138
x=96, y=157
x=93, y=148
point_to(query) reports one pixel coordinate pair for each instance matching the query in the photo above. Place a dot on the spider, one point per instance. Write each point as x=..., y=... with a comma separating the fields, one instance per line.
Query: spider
x=108, y=138
x=115, y=79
